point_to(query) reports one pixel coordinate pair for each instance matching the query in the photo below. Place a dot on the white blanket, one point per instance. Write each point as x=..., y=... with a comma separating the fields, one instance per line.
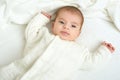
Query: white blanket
x=102, y=22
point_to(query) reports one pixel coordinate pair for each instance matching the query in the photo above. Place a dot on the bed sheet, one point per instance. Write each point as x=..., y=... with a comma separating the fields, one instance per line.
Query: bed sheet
x=11, y=43
x=101, y=23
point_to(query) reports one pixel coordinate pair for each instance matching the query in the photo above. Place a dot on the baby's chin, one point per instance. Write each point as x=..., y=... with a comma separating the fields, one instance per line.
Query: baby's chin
x=66, y=38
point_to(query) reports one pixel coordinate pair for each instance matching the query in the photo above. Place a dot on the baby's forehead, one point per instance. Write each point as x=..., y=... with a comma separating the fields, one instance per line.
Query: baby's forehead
x=76, y=12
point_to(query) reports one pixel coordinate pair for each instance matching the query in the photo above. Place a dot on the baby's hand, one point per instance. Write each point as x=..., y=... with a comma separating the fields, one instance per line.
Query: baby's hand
x=46, y=14
x=109, y=46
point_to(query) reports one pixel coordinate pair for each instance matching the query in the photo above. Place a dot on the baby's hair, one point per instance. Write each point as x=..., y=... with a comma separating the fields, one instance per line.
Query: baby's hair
x=70, y=9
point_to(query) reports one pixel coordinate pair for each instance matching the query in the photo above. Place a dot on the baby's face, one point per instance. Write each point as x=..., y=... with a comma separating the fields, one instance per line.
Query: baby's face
x=67, y=25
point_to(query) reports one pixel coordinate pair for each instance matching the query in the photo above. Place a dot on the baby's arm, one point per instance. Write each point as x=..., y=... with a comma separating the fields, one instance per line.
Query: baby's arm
x=35, y=25
x=109, y=46
x=99, y=57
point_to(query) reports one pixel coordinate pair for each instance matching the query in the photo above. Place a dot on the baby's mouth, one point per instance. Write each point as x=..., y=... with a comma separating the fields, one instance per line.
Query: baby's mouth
x=64, y=33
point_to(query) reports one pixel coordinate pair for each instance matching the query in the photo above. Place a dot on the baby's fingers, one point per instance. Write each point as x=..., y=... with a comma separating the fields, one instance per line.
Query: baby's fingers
x=110, y=47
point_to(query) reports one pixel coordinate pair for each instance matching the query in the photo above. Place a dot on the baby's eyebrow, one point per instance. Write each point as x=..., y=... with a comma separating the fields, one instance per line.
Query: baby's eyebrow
x=60, y=18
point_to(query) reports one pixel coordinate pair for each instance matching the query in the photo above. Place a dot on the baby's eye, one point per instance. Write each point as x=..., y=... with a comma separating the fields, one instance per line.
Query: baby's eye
x=73, y=26
x=61, y=22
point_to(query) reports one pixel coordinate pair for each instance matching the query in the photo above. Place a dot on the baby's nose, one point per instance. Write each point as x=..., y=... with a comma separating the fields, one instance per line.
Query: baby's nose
x=66, y=26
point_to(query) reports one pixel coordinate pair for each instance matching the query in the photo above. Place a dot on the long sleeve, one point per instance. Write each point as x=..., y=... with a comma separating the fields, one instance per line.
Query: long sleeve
x=36, y=32
x=33, y=28
x=92, y=60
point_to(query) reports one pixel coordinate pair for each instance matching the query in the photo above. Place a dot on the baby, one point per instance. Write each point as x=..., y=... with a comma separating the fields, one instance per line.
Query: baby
x=68, y=24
